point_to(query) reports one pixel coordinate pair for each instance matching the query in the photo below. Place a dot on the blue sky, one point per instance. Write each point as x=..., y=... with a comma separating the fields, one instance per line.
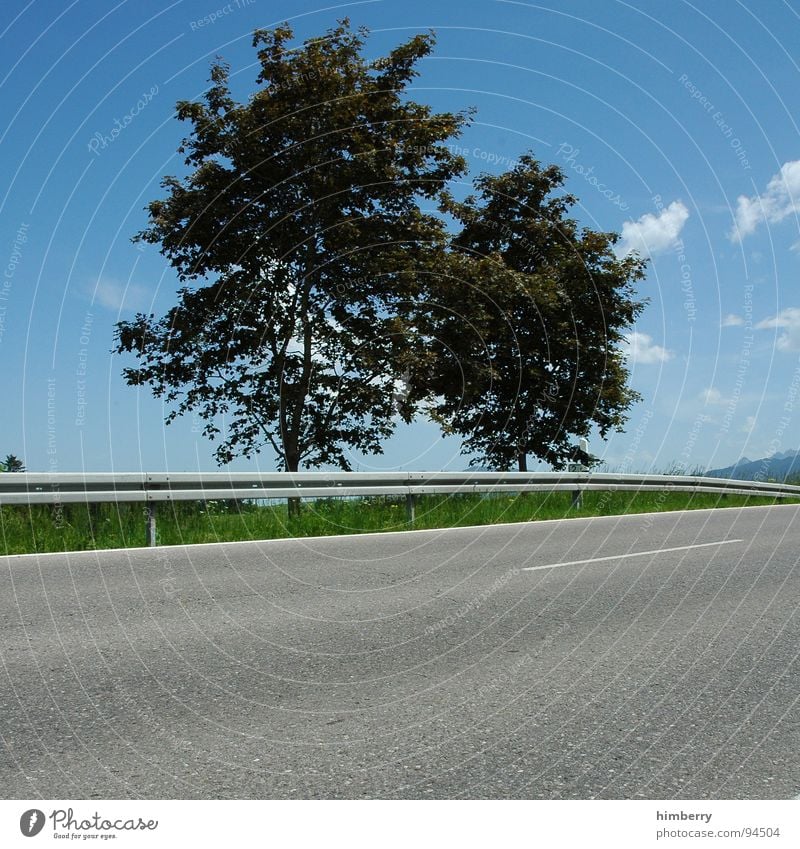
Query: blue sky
x=676, y=124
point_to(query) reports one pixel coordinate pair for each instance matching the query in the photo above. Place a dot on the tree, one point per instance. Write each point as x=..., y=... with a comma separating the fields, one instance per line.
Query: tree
x=301, y=243
x=528, y=337
x=12, y=464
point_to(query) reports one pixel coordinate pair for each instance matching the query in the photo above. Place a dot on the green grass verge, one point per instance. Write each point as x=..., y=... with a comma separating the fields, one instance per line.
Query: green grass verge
x=73, y=527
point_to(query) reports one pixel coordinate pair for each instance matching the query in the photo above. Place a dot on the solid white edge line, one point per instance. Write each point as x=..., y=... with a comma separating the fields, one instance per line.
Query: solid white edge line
x=633, y=554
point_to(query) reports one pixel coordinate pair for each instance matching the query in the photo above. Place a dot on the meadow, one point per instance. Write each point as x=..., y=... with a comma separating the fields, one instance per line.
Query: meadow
x=78, y=527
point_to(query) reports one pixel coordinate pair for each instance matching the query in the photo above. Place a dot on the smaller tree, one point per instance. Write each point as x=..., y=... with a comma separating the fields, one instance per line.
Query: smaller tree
x=12, y=464
x=528, y=338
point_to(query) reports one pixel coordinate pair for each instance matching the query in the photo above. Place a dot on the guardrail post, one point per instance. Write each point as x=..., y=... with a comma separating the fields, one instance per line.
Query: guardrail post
x=411, y=508
x=151, y=523
x=577, y=499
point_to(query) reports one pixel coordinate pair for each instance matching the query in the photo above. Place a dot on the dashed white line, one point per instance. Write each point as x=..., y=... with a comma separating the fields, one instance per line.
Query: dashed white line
x=634, y=554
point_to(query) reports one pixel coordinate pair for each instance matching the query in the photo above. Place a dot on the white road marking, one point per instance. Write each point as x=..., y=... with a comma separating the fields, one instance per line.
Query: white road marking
x=634, y=554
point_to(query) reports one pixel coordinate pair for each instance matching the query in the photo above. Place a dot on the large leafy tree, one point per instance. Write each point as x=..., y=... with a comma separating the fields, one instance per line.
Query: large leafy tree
x=528, y=336
x=301, y=240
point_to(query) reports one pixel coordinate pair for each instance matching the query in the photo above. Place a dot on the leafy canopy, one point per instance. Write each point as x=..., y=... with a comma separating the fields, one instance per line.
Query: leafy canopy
x=528, y=343
x=323, y=296
x=12, y=464
x=301, y=240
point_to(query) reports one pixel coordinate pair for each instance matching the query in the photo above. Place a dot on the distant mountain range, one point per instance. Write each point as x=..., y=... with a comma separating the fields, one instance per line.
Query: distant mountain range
x=778, y=467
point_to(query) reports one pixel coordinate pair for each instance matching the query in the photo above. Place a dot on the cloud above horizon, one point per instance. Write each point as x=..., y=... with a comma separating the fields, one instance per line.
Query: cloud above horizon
x=114, y=295
x=789, y=321
x=639, y=348
x=780, y=199
x=653, y=234
x=712, y=396
x=749, y=425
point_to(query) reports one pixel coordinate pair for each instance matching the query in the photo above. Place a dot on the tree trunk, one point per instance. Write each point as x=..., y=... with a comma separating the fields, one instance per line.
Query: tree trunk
x=522, y=459
x=292, y=464
x=292, y=451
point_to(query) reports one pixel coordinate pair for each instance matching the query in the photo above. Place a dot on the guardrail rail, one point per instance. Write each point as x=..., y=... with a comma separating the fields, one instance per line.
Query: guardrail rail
x=152, y=488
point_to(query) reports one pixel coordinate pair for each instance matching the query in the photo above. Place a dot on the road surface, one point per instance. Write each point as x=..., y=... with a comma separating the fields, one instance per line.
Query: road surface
x=517, y=661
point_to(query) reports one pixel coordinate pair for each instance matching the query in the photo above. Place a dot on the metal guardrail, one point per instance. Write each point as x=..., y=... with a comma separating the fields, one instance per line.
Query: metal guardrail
x=150, y=488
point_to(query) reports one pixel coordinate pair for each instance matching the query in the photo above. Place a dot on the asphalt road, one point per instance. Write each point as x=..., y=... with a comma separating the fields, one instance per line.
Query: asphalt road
x=434, y=664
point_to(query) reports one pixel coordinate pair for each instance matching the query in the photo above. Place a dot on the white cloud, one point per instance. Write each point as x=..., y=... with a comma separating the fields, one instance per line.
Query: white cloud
x=114, y=295
x=712, y=396
x=652, y=234
x=639, y=348
x=780, y=199
x=789, y=321
x=732, y=320
x=749, y=424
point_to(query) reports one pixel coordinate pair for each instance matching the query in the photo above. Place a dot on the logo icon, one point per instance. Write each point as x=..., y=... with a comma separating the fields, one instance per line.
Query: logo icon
x=31, y=822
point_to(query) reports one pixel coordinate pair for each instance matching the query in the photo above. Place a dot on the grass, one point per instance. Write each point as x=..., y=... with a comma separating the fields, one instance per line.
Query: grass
x=74, y=527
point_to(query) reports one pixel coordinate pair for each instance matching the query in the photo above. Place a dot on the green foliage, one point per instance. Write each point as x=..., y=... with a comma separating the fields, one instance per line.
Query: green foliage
x=12, y=464
x=73, y=527
x=528, y=342
x=302, y=221
x=315, y=284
